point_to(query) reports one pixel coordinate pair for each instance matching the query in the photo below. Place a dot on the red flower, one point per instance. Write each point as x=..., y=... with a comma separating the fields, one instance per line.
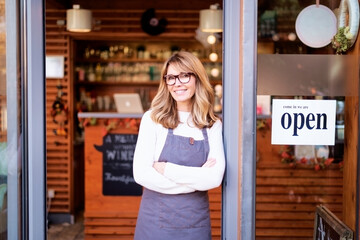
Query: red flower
x=303, y=160
x=285, y=155
x=341, y=164
x=317, y=167
x=258, y=110
x=133, y=123
x=328, y=161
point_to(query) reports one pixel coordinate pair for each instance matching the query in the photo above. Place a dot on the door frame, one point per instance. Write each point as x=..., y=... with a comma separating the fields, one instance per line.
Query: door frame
x=32, y=70
x=239, y=118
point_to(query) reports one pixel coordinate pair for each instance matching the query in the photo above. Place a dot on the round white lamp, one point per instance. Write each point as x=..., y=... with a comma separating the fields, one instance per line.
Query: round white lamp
x=78, y=20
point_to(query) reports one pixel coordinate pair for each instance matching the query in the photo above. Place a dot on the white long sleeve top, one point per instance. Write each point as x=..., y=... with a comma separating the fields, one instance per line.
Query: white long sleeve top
x=176, y=178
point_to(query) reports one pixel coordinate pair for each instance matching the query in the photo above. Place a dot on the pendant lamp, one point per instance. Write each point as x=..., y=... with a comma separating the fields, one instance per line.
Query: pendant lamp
x=78, y=20
x=211, y=19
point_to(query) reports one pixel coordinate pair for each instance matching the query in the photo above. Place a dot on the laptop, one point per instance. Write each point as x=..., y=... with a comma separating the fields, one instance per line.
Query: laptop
x=128, y=103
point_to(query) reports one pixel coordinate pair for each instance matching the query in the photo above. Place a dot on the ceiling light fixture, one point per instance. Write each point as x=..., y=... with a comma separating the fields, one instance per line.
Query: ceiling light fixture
x=211, y=19
x=78, y=20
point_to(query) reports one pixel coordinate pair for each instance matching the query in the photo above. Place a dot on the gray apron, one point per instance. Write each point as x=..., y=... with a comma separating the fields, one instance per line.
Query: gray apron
x=176, y=216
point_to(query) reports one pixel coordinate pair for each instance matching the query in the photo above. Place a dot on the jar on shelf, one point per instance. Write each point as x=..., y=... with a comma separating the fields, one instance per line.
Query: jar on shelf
x=117, y=72
x=109, y=72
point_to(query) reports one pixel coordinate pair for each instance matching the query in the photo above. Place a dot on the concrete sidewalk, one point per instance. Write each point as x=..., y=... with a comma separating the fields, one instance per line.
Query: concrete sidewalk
x=67, y=231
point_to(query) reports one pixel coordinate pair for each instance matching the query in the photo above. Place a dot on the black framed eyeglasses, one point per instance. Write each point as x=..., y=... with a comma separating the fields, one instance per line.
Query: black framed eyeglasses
x=184, y=77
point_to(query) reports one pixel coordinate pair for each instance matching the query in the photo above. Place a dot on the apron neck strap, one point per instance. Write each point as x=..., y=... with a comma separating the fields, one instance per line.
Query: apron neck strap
x=204, y=132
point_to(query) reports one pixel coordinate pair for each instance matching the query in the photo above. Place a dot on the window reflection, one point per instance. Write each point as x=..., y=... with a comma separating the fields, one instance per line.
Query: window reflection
x=292, y=180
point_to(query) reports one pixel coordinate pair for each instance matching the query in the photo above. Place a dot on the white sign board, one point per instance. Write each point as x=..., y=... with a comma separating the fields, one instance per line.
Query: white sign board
x=54, y=67
x=303, y=122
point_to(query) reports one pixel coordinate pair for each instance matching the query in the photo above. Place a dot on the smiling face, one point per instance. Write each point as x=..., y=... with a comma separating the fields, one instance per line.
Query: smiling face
x=181, y=92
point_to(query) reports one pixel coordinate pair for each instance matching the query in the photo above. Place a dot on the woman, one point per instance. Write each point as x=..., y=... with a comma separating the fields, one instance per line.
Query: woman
x=179, y=154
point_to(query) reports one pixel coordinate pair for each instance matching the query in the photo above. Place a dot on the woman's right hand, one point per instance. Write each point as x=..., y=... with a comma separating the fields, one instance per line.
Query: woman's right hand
x=160, y=167
x=209, y=163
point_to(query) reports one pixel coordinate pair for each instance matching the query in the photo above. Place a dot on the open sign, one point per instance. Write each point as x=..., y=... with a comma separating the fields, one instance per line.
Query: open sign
x=298, y=121
x=303, y=122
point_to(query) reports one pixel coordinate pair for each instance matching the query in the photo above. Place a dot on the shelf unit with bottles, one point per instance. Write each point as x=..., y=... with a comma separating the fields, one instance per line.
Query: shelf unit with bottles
x=103, y=68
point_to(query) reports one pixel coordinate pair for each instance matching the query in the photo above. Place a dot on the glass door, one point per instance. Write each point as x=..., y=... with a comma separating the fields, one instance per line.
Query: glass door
x=293, y=179
x=10, y=123
x=22, y=181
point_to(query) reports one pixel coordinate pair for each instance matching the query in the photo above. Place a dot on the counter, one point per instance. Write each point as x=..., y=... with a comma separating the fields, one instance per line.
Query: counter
x=112, y=198
x=108, y=115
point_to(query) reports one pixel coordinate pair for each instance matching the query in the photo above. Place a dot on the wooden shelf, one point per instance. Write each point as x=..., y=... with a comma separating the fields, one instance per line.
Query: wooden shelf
x=111, y=83
x=132, y=60
x=118, y=60
x=147, y=83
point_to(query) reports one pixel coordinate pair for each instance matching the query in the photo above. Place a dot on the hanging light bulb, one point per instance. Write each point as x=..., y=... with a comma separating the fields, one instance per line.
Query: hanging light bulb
x=292, y=36
x=213, y=57
x=211, y=39
x=214, y=72
x=275, y=37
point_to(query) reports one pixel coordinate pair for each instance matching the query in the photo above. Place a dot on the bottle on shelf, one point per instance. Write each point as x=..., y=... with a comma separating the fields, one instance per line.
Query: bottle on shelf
x=91, y=74
x=98, y=72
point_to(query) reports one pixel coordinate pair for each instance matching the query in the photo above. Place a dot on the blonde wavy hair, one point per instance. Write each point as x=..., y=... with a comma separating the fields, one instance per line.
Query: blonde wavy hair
x=164, y=107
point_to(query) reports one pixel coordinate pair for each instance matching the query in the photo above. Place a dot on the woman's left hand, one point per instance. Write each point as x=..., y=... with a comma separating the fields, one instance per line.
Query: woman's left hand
x=160, y=167
x=210, y=162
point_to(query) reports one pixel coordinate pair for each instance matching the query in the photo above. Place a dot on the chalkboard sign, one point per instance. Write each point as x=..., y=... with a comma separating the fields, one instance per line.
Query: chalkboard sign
x=328, y=226
x=118, y=151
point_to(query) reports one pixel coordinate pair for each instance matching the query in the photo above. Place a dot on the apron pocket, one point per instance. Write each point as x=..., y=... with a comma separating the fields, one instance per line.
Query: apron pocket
x=184, y=211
